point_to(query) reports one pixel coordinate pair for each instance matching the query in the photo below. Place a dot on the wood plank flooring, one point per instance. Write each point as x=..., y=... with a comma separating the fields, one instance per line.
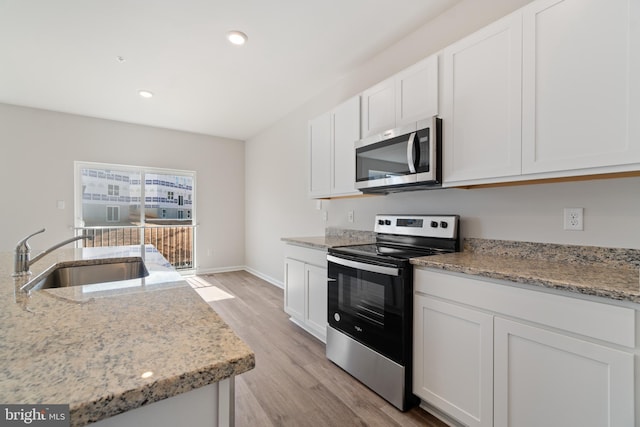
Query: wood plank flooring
x=293, y=383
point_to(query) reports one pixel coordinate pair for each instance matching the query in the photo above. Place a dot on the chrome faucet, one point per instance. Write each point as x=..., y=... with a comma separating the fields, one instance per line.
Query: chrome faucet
x=22, y=260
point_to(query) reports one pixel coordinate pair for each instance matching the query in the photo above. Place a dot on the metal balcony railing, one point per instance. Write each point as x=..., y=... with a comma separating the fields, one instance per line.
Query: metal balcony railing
x=174, y=242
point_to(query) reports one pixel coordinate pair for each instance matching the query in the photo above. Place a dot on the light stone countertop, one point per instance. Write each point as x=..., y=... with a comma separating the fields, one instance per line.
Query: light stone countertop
x=87, y=346
x=605, y=272
x=333, y=238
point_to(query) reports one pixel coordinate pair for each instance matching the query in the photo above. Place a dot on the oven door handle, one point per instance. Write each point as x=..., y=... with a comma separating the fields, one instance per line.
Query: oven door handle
x=388, y=271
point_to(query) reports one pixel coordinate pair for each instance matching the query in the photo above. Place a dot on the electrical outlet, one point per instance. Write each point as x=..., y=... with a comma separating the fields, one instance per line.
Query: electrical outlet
x=573, y=219
x=350, y=216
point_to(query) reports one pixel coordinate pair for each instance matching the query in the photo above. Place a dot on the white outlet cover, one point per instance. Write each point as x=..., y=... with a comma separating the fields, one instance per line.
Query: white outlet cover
x=574, y=219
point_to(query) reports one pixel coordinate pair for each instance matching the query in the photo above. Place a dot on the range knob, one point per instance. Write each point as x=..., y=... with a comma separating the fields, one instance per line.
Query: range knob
x=381, y=222
x=387, y=222
x=434, y=224
x=444, y=224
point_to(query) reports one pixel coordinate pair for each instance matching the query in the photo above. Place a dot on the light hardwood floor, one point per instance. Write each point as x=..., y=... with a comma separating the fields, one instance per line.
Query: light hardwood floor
x=293, y=383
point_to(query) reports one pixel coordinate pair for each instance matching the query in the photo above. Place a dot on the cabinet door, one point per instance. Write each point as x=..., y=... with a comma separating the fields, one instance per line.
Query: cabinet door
x=346, y=131
x=320, y=156
x=543, y=378
x=379, y=108
x=453, y=359
x=316, y=287
x=417, y=91
x=482, y=103
x=294, y=288
x=581, y=84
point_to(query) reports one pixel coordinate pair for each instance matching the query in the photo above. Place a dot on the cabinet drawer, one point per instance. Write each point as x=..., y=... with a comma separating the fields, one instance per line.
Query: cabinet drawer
x=601, y=321
x=316, y=257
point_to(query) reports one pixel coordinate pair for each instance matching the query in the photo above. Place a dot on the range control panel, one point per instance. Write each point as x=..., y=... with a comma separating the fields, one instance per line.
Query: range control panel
x=442, y=226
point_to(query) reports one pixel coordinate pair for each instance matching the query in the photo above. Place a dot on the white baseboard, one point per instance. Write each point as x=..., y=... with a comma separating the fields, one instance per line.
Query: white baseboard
x=264, y=277
x=250, y=270
x=220, y=269
x=440, y=415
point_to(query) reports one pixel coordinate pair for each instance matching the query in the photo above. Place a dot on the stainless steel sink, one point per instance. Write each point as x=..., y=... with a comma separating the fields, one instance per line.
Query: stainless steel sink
x=89, y=272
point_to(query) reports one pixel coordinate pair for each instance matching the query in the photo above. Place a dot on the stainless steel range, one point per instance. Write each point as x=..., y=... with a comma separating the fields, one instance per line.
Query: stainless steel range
x=370, y=302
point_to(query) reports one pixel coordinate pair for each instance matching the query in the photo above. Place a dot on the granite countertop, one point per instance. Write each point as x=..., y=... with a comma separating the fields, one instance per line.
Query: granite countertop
x=88, y=346
x=333, y=238
x=605, y=272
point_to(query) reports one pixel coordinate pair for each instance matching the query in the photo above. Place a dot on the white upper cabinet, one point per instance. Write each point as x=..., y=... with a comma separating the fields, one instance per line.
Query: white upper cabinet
x=417, y=91
x=379, y=108
x=482, y=103
x=552, y=90
x=581, y=84
x=346, y=131
x=331, y=150
x=408, y=96
x=320, y=156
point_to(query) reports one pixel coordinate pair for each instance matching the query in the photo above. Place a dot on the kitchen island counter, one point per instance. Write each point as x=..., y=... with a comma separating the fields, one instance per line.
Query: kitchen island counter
x=105, y=349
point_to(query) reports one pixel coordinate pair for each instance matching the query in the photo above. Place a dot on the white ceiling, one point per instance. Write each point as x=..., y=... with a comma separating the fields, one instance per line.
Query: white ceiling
x=62, y=55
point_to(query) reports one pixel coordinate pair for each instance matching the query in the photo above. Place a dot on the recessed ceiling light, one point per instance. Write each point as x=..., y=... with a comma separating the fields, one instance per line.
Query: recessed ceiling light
x=237, y=37
x=145, y=94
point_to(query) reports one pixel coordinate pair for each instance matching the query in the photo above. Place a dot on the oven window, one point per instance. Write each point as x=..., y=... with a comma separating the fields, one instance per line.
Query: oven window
x=363, y=298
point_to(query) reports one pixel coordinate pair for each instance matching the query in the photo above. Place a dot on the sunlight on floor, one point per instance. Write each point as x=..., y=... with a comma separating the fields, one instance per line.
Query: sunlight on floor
x=207, y=291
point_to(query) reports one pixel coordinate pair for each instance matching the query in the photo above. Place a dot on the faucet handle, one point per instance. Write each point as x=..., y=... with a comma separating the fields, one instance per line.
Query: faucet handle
x=23, y=246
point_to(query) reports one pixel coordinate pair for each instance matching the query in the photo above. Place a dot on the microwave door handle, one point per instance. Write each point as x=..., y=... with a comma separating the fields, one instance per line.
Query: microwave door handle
x=411, y=161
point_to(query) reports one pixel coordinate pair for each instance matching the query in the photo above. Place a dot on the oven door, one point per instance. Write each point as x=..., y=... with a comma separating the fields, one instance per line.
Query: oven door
x=368, y=302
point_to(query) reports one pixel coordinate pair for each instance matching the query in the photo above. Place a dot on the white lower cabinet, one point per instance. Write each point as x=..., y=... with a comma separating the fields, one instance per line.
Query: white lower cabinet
x=492, y=354
x=305, y=289
x=294, y=287
x=545, y=378
x=316, y=298
x=455, y=374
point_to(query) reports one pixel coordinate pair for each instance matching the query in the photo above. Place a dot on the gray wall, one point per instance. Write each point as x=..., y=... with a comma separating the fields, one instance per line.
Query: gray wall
x=36, y=168
x=276, y=172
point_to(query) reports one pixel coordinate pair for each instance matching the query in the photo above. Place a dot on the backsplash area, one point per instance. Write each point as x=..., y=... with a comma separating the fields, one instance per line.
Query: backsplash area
x=353, y=235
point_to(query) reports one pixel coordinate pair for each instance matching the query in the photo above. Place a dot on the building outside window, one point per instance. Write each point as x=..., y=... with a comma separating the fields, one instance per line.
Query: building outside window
x=114, y=190
x=128, y=205
x=113, y=213
x=143, y=195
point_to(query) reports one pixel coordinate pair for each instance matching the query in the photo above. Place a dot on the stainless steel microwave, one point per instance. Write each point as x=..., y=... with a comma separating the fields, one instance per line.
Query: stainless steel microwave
x=405, y=158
